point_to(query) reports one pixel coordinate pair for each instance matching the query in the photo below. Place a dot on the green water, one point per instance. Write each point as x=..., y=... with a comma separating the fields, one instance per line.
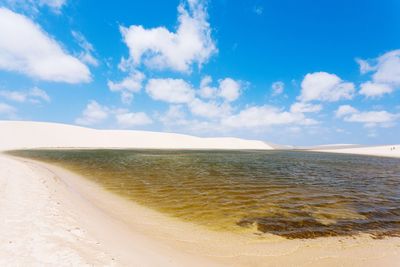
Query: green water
x=287, y=193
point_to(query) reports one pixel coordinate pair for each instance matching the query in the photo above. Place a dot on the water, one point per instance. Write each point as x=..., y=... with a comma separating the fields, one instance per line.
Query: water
x=286, y=193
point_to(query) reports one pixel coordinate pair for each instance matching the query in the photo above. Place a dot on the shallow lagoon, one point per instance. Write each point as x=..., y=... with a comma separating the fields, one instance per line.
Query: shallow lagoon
x=293, y=194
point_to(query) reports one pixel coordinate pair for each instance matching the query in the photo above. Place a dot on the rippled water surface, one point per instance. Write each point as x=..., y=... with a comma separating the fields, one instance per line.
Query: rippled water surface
x=287, y=193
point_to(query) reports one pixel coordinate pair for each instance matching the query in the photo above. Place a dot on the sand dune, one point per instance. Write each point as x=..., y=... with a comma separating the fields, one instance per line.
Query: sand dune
x=25, y=134
x=383, y=151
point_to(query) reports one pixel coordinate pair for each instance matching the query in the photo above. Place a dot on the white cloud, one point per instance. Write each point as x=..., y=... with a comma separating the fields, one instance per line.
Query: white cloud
x=277, y=88
x=178, y=91
x=7, y=109
x=175, y=115
x=220, y=118
x=158, y=48
x=13, y=95
x=345, y=110
x=54, y=4
x=170, y=90
x=34, y=5
x=93, y=113
x=229, y=89
x=26, y=48
x=300, y=107
x=128, y=86
x=324, y=86
x=265, y=116
x=368, y=118
x=386, y=74
x=388, y=68
x=370, y=89
x=130, y=119
x=35, y=95
x=365, y=66
x=87, y=54
x=373, y=118
x=209, y=109
x=39, y=93
x=206, y=90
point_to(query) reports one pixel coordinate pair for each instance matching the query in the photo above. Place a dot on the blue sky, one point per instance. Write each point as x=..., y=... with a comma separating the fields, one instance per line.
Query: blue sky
x=289, y=72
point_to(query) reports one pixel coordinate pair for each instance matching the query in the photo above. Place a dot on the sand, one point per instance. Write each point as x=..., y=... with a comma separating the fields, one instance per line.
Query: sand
x=51, y=216
x=382, y=151
x=26, y=134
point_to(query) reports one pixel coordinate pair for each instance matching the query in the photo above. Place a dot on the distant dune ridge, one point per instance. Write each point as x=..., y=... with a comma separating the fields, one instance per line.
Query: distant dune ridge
x=27, y=134
x=383, y=151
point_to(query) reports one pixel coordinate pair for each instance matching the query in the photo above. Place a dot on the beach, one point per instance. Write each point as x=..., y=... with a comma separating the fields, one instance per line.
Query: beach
x=52, y=216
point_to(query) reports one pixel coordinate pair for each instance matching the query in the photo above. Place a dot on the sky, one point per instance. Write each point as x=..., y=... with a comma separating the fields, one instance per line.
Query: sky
x=296, y=72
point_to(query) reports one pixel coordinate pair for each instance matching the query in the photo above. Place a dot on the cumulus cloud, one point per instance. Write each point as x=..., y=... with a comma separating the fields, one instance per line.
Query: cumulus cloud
x=388, y=68
x=345, y=110
x=26, y=48
x=324, y=86
x=159, y=48
x=170, y=90
x=206, y=90
x=35, y=95
x=371, y=89
x=386, y=74
x=373, y=118
x=94, y=113
x=128, y=86
x=130, y=119
x=87, y=54
x=265, y=116
x=368, y=118
x=175, y=115
x=301, y=107
x=222, y=118
x=229, y=89
x=277, y=88
x=209, y=110
x=214, y=102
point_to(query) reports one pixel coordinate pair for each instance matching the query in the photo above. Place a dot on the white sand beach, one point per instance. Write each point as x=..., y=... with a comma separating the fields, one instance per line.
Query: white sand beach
x=51, y=216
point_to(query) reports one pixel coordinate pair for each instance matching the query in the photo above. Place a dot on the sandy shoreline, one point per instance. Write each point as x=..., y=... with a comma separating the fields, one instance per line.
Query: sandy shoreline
x=49, y=209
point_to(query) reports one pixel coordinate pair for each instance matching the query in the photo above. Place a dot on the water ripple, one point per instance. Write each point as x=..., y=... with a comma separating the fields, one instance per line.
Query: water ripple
x=286, y=193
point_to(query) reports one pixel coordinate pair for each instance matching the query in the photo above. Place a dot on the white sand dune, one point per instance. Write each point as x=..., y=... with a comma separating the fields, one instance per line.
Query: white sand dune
x=26, y=134
x=383, y=151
